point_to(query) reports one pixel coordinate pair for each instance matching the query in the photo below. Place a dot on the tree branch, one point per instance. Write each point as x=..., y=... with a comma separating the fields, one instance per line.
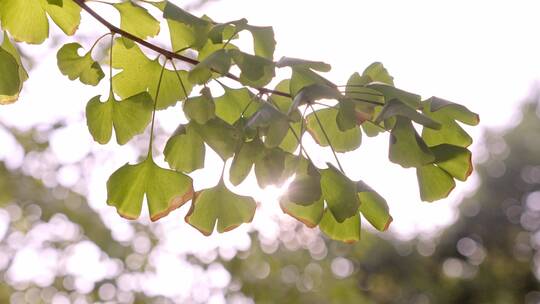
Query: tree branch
x=168, y=54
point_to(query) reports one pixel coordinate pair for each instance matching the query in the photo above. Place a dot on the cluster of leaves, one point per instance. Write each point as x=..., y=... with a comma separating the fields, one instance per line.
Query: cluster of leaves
x=256, y=127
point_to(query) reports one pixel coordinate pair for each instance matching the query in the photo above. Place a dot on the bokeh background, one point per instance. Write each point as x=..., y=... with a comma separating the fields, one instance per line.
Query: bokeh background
x=60, y=242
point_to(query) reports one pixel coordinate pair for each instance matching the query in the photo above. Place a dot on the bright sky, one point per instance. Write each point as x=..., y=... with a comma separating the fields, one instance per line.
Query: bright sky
x=483, y=54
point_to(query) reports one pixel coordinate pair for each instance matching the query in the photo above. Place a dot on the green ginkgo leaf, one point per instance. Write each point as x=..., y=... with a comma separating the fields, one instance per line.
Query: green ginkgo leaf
x=264, y=43
x=314, y=92
x=373, y=207
x=378, y=73
x=8, y=76
x=141, y=74
x=219, y=135
x=165, y=189
x=395, y=108
x=310, y=215
x=305, y=189
x=75, y=66
x=340, y=193
x=201, y=108
x=186, y=30
x=27, y=20
x=10, y=81
x=129, y=117
x=269, y=167
x=265, y=116
x=434, y=182
x=234, y=102
x=256, y=71
x=447, y=113
x=453, y=159
x=244, y=159
x=302, y=77
x=219, y=62
x=406, y=147
x=137, y=21
x=220, y=205
x=390, y=92
x=347, y=231
x=301, y=63
x=341, y=141
x=185, y=150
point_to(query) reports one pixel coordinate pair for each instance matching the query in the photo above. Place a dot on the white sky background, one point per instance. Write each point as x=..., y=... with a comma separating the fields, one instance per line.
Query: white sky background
x=483, y=54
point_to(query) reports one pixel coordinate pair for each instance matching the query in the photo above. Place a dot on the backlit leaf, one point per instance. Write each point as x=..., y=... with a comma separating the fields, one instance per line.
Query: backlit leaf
x=201, y=108
x=219, y=135
x=10, y=81
x=310, y=215
x=165, y=190
x=129, y=117
x=244, y=159
x=136, y=20
x=342, y=141
x=305, y=189
x=406, y=147
x=340, y=193
x=233, y=102
x=219, y=205
x=395, y=108
x=347, y=231
x=308, y=64
x=141, y=74
x=453, y=159
x=269, y=167
x=185, y=150
x=255, y=71
x=373, y=207
x=74, y=66
x=219, y=61
x=434, y=183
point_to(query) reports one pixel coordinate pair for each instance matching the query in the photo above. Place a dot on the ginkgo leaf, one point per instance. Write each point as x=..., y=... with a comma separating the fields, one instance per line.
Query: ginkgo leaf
x=453, y=159
x=341, y=141
x=219, y=135
x=406, y=147
x=244, y=159
x=142, y=74
x=201, y=108
x=310, y=215
x=378, y=73
x=185, y=150
x=129, y=117
x=447, y=113
x=7, y=76
x=305, y=189
x=27, y=20
x=186, y=30
x=295, y=62
x=266, y=115
x=434, y=183
x=264, y=43
x=165, y=189
x=390, y=92
x=365, y=98
x=269, y=167
x=234, y=102
x=136, y=20
x=219, y=207
x=10, y=81
x=346, y=118
x=219, y=61
x=347, y=231
x=314, y=92
x=302, y=77
x=339, y=192
x=373, y=207
x=395, y=108
x=227, y=30
x=74, y=66
x=255, y=71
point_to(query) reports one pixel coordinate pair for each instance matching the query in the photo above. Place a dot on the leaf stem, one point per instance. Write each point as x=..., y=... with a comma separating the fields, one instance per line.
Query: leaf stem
x=97, y=40
x=110, y=65
x=179, y=79
x=154, y=111
x=327, y=138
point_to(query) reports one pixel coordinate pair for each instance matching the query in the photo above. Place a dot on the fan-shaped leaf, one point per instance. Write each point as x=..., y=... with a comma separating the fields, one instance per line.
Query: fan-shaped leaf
x=219, y=61
x=406, y=147
x=395, y=108
x=310, y=215
x=136, y=20
x=341, y=141
x=244, y=159
x=453, y=159
x=434, y=183
x=308, y=64
x=201, y=108
x=220, y=205
x=129, y=117
x=347, y=231
x=255, y=71
x=165, y=190
x=340, y=193
x=373, y=207
x=185, y=150
x=74, y=66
